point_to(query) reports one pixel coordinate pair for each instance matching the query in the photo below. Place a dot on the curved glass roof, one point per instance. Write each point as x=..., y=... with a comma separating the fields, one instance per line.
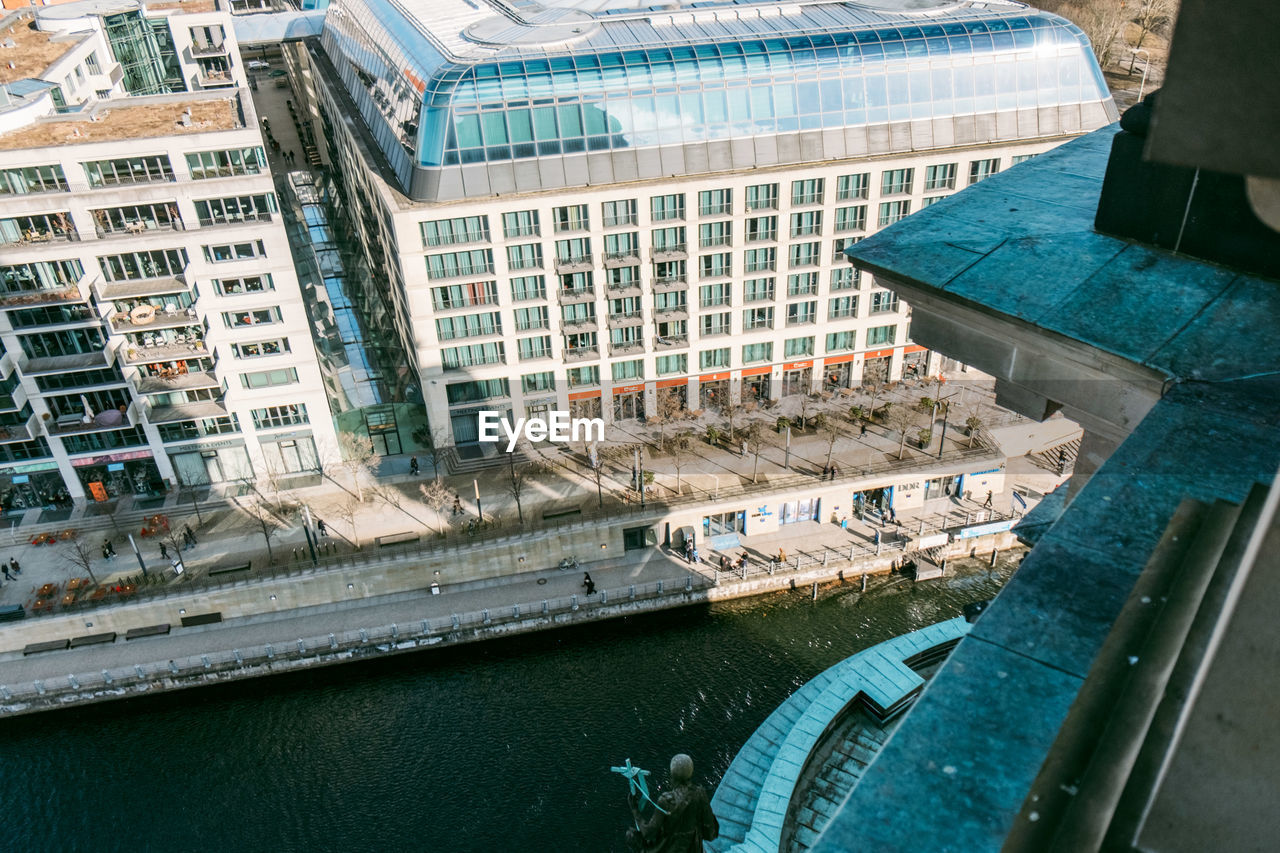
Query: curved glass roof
x=530, y=107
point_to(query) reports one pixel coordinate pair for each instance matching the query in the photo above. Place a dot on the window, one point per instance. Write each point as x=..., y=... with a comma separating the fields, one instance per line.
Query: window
x=463, y=295
x=622, y=246
x=91, y=62
x=980, y=170
x=842, y=307
x=710, y=358
x=714, y=266
x=884, y=302
x=930, y=201
x=469, y=326
x=711, y=295
x=462, y=229
x=896, y=181
x=246, y=284
x=528, y=287
x=806, y=224
x=757, y=318
x=760, y=260
x=577, y=282
x=808, y=191
x=1021, y=158
x=581, y=312
x=128, y=170
x=528, y=319
x=254, y=317
x=798, y=346
x=475, y=391
x=226, y=163
x=880, y=335
x=538, y=382
x=940, y=177
x=456, y=358
x=669, y=239
x=623, y=308
x=802, y=284
x=841, y=341
x=521, y=223
x=580, y=343
x=576, y=250
x=622, y=277
x=760, y=229
x=134, y=266
x=236, y=210
x=758, y=290
x=584, y=376
x=530, y=349
x=185, y=430
x=626, y=370
x=454, y=264
x=234, y=252
x=278, y=416
x=844, y=278
x=672, y=331
x=260, y=349
x=619, y=212
x=667, y=272
x=570, y=218
x=715, y=324
x=892, y=211
x=665, y=207
x=851, y=187
x=756, y=353
x=762, y=197
x=851, y=218
x=32, y=179
x=668, y=364
x=805, y=254
x=839, y=245
x=801, y=313
x=715, y=234
x=715, y=202
x=269, y=378
x=630, y=337
x=677, y=301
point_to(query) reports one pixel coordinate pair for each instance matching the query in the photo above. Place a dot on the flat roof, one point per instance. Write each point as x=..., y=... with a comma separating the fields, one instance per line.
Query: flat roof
x=33, y=51
x=114, y=121
x=188, y=6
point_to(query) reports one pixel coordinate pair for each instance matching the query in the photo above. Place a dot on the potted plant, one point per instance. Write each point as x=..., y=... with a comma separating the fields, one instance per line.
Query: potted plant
x=925, y=437
x=972, y=424
x=712, y=436
x=856, y=413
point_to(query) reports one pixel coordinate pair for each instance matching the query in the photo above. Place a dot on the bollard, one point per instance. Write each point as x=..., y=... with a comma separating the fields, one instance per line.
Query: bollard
x=302, y=650
x=426, y=629
x=39, y=685
x=840, y=575
x=333, y=641
x=106, y=679
x=922, y=526
x=239, y=658
x=138, y=670
x=864, y=581
x=943, y=567
x=852, y=548
x=515, y=611
x=395, y=632
x=633, y=592
x=75, y=685
x=994, y=552
x=457, y=623
x=573, y=602
x=814, y=597
x=173, y=667
x=824, y=556
x=205, y=660
x=484, y=617
x=659, y=587
x=793, y=584
x=715, y=577
x=688, y=584
x=545, y=607
x=271, y=653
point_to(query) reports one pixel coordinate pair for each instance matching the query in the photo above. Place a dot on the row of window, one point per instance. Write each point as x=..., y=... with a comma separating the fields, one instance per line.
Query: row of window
x=119, y=171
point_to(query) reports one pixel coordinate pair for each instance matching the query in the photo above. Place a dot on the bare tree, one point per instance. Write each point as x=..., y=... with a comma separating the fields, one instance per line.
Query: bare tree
x=900, y=419
x=436, y=496
x=80, y=553
x=876, y=389
x=267, y=522
x=348, y=509
x=681, y=450
x=669, y=406
x=731, y=411
x=806, y=403
x=1103, y=22
x=432, y=444
x=1152, y=15
x=355, y=455
x=831, y=427
x=396, y=499
x=755, y=443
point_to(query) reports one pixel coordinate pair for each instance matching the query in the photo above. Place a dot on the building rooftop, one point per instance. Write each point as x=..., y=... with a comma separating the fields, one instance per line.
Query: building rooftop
x=33, y=51
x=183, y=6
x=119, y=119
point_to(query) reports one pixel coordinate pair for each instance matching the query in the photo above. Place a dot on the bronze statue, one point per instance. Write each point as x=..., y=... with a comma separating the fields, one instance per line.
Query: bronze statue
x=682, y=818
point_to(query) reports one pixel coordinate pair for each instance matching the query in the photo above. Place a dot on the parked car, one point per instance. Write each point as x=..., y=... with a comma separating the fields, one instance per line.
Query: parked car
x=258, y=65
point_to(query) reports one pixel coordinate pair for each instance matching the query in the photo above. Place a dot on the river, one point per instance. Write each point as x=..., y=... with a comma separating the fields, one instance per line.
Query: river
x=494, y=746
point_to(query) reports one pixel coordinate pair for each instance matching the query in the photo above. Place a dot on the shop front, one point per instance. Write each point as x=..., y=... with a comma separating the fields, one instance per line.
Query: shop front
x=875, y=369
x=213, y=462
x=837, y=372
x=797, y=378
x=540, y=408
x=941, y=487
x=915, y=360
x=628, y=402
x=876, y=499
x=757, y=384
x=585, y=404
x=37, y=484
x=721, y=530
x=131, y=472
x=713, y=390
x=677, y=389
x=290, y=453
x=803, y=509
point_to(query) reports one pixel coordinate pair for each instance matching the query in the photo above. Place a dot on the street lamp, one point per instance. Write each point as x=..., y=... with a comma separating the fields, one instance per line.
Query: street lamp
x=1146, y=64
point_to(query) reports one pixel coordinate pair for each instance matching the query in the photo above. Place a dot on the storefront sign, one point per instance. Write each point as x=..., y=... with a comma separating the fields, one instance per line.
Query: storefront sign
x=756, y=371
x=797, y=365
x=112, y=457
x=838, y=359
x=714, y=377
x=880, y=353
x=285, y=436
x=98, y=491
x=628, y=389
x=984, y=529
x=672, y=383
x=915, y=348
x=584, y=395
x=211, y=445
x=31, y=468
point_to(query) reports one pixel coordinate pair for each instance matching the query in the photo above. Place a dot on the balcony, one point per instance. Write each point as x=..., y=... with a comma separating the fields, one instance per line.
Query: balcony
x=574, y=297
x=581, y=354
x=677, y=312
x=39, y=236
x=41, y=298
x=574, y=263
x=62, y=363
x=198, y=49
x=244, y=218
x=622, y=321
x=624, y=258
x=197, y=410
x=671, y=342
x=74, y=423
x=626, y=348
x=189, y=381
x=109, y=291
x=144, y=353
x=674, y=252
x=626, y=288
x=215, y=79
x=670, y=285
x=576, y=327
x=138, y=229
x=19, y=432
x=148, y=318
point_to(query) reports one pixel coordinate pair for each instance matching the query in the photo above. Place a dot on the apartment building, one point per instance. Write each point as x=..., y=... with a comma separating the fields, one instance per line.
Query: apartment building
x=580, y=205
x=152, y=325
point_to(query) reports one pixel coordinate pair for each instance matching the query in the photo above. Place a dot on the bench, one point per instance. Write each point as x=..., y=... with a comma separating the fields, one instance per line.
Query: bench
x=12, y=612
x=148, y=631
x=397, y=539
x=561, y=511
x=226, y=570
x=93, y=639
x=50, y=646
x=202, y=619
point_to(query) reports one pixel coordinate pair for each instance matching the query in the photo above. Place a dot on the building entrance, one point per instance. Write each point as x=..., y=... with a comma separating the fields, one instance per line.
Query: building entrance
x=876, y=371
x=797, y=381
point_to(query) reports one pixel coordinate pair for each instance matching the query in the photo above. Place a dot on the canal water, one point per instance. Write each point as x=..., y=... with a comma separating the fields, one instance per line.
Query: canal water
x=496, y=746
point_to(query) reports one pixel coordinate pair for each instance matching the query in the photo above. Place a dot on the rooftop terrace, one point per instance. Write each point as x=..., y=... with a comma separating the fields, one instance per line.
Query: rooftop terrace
x=33, y=51
x=110, y=122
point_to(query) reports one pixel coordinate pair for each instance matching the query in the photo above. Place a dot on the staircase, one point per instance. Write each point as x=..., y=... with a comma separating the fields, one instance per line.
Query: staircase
x=1060, y=458
x=840, y=763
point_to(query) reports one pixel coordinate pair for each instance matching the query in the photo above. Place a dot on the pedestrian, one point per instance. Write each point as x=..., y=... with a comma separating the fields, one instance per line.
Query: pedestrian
x=782, y=556
x=696, y=559
x=863, y=430
x=588, y=583
x=835, y=471
x=164, y=552
x=413, y=465
x=4, y=567
x=688, y=550
x=742, y=561
x=844, y=522
x=106, y=555
x=987, y=502
x=13, y=564
x=744, y=447
x=893, y=516
x=457, y=505
x=321, y=527
x=188, y=533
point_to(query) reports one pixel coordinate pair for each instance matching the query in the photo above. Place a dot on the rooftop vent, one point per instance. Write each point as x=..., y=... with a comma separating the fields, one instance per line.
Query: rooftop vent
x=9, y=43
x=186, y=119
